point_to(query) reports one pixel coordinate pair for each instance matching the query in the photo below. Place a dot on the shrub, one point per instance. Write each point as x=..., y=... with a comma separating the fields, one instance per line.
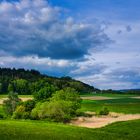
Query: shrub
x=44, y=93
x=104, y=111
x=2, y=116
x=24, y=109
x=67, y=94
x=26, y=115
x=70, y=95
x=35, y=111
x=11, y=103
x=29, y=105
x=59, y=111
x=81, y=113
x=18, y=114
x=60, y=108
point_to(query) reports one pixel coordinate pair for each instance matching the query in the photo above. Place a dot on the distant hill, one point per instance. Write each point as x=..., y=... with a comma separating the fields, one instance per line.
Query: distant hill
x=26, y=79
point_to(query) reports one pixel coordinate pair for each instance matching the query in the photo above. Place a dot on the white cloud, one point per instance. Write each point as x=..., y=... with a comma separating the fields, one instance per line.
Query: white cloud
x=32, y=27
x=34, y=60
x=122, y=59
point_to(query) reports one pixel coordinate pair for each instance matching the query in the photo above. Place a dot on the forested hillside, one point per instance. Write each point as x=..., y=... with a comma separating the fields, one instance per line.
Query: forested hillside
x=29, y=81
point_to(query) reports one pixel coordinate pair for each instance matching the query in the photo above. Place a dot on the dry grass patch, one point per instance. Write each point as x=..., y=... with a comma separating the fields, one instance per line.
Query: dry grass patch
x=23, y=99
x=101, y=121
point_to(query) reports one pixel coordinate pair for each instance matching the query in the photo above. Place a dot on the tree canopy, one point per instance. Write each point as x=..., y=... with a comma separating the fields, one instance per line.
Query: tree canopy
x=31, y=81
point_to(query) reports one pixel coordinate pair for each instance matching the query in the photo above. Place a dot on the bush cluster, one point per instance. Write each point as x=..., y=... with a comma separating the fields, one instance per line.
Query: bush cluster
x=59, y=106
x=11, y=103
x=104, y=111
x=2, y=116
x=23, y=111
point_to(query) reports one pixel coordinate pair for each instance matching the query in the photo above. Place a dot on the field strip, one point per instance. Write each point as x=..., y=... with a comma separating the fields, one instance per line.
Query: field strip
x=98, y=98
x=137, y=97
x=98, y=122
x=107, y=98
x=23, y=99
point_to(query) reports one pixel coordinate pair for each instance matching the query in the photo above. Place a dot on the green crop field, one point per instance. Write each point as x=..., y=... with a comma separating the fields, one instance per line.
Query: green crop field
x=109, y=95
x=37, y=130
x=122, y=105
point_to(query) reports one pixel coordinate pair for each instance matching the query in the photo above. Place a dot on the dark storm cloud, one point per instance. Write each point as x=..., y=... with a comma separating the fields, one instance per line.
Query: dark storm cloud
x=35, y=28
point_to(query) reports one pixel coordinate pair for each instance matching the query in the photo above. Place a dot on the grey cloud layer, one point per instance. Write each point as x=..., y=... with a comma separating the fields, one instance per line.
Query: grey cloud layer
x=35, y=28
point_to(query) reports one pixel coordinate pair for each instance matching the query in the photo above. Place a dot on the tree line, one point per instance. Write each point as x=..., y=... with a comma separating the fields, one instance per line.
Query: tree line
x=27, y=82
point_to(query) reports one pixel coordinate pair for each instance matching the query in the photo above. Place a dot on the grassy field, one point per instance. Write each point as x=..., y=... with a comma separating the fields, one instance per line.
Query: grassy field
x=36, y=130
x=42, y=130
x=122, y=105
x=110, y=95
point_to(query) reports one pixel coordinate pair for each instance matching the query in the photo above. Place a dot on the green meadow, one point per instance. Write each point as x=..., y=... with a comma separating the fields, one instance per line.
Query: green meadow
x=38, y=130
x=108, y=95
x=120, y=104
x=127, y=108
x=43, y=130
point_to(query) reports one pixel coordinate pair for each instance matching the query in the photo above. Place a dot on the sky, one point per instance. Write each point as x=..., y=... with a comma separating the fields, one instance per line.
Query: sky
x=95, y=41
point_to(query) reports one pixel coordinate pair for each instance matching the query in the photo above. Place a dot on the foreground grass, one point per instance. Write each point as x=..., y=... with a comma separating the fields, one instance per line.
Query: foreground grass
x=125, y=105
x=37, y=130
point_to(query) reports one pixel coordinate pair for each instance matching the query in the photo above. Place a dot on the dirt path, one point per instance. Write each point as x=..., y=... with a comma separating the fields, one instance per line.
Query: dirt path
x=97, y=122
x=137, y=97
x=97, y=98
x=23, y=99
x=26, y=99
x=1, y=100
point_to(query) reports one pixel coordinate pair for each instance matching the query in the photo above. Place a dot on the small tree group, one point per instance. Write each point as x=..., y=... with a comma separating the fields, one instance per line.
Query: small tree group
x=23, y=111
x=59, y=106
x=11, y=103
x=44, y=93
